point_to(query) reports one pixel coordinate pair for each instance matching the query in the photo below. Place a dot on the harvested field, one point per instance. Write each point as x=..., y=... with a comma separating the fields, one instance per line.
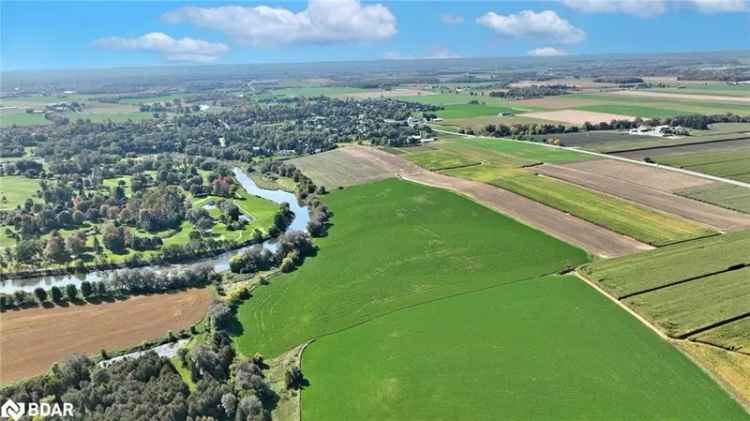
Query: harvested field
x=349, y=166
x=591, y=237
x=730, y=369
x=435, y=160
x=720, y=194
x=717, y=98
x=577, y=117
x=655, y=152
x=734, y=336
x=733, y=164
x=671, y=264
x=664, y=180
x=643, y=224
x=32, y=340
x=591, y=174
x=683, y=309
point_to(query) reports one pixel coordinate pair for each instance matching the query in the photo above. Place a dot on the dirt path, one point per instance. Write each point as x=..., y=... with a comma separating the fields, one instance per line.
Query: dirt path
x=32, y=340
x=619, y=184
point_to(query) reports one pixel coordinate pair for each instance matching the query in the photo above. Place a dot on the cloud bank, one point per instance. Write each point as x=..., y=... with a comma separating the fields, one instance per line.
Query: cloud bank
x=171, y=49
x=546, y=25
x=322, y=22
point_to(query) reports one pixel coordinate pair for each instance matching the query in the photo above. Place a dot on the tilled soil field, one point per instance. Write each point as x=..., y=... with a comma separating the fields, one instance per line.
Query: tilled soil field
x=32, y=340
x=636, y=188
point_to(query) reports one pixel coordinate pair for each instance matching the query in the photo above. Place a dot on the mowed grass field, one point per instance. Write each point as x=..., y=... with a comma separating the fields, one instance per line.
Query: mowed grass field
x=15, y=190
x=734, y=335
x=643, y=224
x=733, y=164
x=528, y=350
x=687, y=307
x=725, y=195
x=394, y=245
x=671, y=264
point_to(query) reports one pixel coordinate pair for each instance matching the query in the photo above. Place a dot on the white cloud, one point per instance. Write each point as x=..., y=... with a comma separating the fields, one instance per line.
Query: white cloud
x=450, y=19
x=547, y=52
x=323, y=21
x=721, y=6
x=546, y=25
x=643, y=8
x=183, y=49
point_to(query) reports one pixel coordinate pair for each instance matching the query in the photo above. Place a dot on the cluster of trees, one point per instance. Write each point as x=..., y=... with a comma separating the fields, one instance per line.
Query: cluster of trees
x=302, y=125
x=620, y=80
x=291, y=249
x=120, y=284
x=533, y=91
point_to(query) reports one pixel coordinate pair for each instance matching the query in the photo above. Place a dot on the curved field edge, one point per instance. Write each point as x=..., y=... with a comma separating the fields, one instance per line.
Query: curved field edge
x=546, y=348
x=394, y=244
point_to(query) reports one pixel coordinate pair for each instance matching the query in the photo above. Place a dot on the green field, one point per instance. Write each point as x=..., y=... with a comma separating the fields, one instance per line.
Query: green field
x=733, y=164
x=21, y=118
x=542, y=349
x=656, y=268
x=683, y=106
x=393, y=245
x=439, y=159
x=725, y=195
x=624, y=217
x=684, y=308
x=632, y=110
x=117, y=117
x=735, y=335
x=472, y=110
x=15, y=190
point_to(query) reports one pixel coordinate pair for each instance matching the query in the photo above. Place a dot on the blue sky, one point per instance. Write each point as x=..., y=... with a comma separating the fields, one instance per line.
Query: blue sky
x=37, y=35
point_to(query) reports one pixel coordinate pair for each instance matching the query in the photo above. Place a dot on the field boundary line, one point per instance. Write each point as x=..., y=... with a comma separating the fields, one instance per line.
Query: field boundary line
x=714, y=325
x=299, y=395
x=675, y=342
x=608, y=156
x=622, y=305
x=683, y=281
x=434, y=300
x=698, y=341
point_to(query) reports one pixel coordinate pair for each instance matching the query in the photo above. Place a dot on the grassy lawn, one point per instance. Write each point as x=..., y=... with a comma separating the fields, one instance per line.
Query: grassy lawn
x=393, y=245
x=683, y=308
x=626, y=275
x=531, y=350
x=16, y=189
x=618, y=215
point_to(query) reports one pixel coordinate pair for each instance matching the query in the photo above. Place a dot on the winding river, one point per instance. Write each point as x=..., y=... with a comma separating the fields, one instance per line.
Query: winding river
x=220, y=263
